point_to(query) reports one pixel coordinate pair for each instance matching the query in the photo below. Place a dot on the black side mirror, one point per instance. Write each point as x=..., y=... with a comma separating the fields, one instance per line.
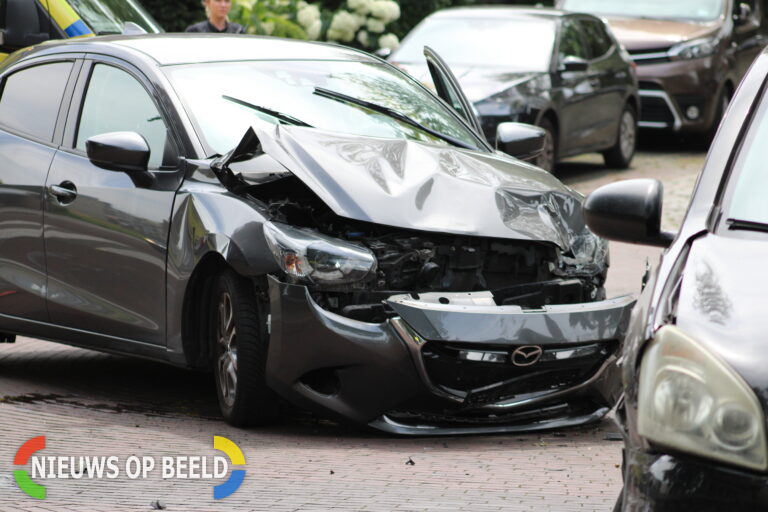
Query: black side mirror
x=742, y=14
x=23, y=24
x=522, y=141
x=118, y=151
x=571, y=63
x=628, y=211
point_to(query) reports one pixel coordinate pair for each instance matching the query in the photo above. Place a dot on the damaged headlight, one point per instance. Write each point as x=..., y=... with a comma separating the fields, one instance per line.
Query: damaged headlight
x=691, y=401
x=310, y=257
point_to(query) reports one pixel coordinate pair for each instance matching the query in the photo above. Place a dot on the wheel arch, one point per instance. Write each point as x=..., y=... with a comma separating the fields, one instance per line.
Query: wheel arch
x=209, y=232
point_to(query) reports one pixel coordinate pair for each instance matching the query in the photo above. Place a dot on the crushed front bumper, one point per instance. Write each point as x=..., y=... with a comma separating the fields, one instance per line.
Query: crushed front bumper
x=449, y=363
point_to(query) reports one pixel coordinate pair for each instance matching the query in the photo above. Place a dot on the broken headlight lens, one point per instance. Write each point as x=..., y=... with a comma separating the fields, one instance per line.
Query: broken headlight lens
x=309, y=257
x=692, y=401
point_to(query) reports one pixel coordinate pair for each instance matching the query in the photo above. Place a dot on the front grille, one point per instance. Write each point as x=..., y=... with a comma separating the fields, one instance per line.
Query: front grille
x=462, y=370
x=655, y=110
x=650, y=56
x=649, y=86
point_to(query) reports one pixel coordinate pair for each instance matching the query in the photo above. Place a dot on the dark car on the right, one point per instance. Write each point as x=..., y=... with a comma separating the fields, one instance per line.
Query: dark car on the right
x=695, y=358
x=690, y=54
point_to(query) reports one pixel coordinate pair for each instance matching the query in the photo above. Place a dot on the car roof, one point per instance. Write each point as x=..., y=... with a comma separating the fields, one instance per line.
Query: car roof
x=492, y=11
x=189, y=48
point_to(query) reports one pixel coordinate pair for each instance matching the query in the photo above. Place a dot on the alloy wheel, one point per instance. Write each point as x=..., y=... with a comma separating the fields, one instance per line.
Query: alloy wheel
x=627, y=135
x=547, y=158
x=226, y=335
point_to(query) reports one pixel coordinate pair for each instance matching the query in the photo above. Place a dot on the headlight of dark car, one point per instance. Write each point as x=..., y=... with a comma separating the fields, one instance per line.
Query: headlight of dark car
x=694, y=49
x=692, y=401
x=312, y=258
x=509, y=103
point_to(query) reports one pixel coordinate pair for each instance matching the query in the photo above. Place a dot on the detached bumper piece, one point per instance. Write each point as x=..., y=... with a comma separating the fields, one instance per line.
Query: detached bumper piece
x=448, y=363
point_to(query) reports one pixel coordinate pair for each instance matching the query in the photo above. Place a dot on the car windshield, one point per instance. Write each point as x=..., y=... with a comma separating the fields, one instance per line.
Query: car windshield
x=693, y=10
x=109, y=16
x=288, y=88
x=523, y=44
x=748, y=200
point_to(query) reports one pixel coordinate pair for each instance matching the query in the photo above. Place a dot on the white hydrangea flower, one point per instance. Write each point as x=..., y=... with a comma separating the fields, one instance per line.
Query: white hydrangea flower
x=385, y=10
x=268, y=27
x=362, y=38
x=375, y=26
x=313, y=31
x=389, y=41
x=360, y=6
x=343, y=26
x=307, y=15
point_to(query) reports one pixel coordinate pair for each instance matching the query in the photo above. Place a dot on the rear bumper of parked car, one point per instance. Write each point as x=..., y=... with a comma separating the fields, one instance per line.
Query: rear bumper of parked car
x=438, y=368
x=665, y=482
x=669, y=90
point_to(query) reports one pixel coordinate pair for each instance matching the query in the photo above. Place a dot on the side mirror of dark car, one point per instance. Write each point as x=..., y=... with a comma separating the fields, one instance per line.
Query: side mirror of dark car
x=628, y=211
x=522, y=141
x=572, y=63
x=118, y=151
x=742, y=14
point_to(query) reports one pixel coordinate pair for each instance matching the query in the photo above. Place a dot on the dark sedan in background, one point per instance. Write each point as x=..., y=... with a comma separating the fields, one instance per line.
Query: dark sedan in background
x=695, y=358
x=561, y=71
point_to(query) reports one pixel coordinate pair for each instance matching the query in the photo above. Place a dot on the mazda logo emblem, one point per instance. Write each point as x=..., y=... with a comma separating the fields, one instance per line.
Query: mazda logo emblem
x=526, y=355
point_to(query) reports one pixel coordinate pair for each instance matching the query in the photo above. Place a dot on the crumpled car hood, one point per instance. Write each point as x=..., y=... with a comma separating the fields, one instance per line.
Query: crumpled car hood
x=432, y=187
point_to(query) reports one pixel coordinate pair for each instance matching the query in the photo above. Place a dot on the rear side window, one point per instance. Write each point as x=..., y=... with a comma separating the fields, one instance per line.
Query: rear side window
x=117, y=102
x=572, y=44
x=597, y=39
x=31, y=99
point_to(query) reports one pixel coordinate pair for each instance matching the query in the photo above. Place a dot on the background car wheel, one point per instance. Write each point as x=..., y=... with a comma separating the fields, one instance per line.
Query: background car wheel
x=620, y=155
x=238, y=332
x=548, y=157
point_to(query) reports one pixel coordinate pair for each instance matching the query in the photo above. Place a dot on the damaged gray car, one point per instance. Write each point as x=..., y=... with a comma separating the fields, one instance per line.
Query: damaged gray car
x=308, y=222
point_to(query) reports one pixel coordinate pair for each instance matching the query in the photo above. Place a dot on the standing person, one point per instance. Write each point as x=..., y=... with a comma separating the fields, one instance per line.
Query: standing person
x=217, y=22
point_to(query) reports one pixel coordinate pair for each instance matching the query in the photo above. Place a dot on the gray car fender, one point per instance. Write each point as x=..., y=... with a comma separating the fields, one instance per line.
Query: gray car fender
x=208, y=220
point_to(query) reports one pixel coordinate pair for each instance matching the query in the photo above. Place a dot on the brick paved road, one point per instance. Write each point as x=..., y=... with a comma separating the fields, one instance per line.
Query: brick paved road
x=87, y=403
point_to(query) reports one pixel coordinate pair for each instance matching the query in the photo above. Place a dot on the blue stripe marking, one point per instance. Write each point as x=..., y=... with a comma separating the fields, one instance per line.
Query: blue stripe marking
x=230, y=486
x=78, y=28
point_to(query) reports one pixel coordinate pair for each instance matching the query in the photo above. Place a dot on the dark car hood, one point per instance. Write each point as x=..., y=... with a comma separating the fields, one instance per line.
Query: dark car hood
x=722, y=304
x=432, y=187
x=478, y=82
x=641, y=34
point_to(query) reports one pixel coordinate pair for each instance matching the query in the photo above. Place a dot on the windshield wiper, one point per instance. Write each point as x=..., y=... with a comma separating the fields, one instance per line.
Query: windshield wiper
x=748, y=225
x=394, y=114
x=286, y=118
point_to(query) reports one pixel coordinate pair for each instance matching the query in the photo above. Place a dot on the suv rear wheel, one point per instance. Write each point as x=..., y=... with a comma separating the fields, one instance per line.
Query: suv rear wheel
x=238, y=333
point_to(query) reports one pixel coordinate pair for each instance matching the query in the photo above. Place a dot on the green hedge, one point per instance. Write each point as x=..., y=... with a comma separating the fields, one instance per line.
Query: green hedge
x=176, y=15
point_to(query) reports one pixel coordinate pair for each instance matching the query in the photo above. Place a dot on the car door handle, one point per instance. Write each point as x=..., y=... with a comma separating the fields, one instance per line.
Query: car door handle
x=65, y=192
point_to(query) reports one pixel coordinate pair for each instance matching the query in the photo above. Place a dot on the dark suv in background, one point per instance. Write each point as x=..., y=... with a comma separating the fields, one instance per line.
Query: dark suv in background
x=691, y=54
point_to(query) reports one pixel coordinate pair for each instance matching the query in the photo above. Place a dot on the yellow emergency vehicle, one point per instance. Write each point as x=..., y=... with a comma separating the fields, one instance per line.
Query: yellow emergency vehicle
x=27, y=22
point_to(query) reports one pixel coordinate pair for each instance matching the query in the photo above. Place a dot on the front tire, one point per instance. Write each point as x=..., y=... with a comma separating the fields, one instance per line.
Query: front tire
x=548, y=158
x=239, y=338
x=620, y=155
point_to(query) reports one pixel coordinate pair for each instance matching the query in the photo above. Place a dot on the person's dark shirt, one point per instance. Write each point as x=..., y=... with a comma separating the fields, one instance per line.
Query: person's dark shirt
x=205, y=26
